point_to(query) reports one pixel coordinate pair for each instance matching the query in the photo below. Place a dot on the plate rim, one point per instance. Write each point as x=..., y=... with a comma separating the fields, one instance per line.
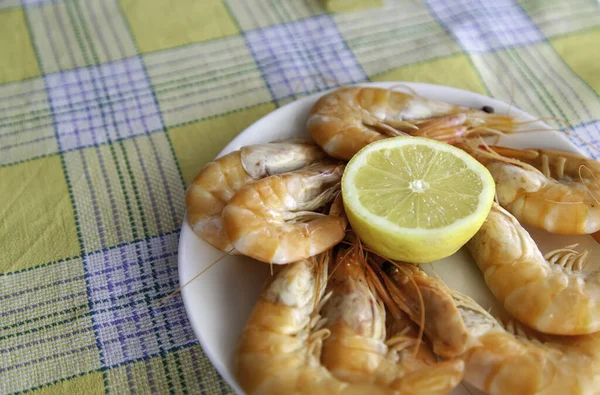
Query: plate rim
x=233, y=145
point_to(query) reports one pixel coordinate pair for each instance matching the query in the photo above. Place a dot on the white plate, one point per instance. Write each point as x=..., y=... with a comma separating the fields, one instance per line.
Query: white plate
x=219, y=302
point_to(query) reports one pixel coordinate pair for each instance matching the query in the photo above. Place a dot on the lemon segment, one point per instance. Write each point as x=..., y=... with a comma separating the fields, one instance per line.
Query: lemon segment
x=415, y=199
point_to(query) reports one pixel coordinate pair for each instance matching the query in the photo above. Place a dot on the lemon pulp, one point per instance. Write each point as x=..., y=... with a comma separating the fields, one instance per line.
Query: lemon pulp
x=416, y=199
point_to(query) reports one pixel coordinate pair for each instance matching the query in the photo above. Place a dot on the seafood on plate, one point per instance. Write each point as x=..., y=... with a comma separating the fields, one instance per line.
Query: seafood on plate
x=281, y=346
x=553, y=190
x=336, y=319
x=347, y=119
x=219, y=180
x=368, y=344
x=499, y=359
x=547, y=293
x=276, y=219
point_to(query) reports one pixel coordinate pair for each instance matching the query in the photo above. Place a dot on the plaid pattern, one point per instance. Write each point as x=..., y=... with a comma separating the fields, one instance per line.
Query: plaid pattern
x=108, y=108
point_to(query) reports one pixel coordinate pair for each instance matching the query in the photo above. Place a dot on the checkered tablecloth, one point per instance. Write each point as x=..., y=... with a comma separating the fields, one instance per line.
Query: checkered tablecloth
x=108, y=108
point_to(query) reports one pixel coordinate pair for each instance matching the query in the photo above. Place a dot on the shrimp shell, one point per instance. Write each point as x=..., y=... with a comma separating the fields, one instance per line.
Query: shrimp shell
x=359, y=349
x=546, y=296
x=219, y=180
x=497, y=360
x=279, y=350
x=553, y=190
x=273, y=219
x=347, y=119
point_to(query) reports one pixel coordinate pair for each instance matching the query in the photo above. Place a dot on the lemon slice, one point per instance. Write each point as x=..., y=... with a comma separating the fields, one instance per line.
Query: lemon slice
x=415, y=199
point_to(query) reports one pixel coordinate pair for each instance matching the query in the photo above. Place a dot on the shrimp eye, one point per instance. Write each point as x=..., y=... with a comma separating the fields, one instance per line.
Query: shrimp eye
x=387, y=267
x=488, y=109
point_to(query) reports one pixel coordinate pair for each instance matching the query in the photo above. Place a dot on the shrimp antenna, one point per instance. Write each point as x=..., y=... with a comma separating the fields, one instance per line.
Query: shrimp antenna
x=568, y=133
x=318, y=262
x=348, y=251
x=163, y=300
x=512, y=91
x=383, y=292
x=586, y=187
x=421, y=305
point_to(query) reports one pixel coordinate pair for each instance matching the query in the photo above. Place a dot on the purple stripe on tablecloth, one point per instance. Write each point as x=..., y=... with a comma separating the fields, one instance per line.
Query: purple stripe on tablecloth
x=124, y=265
x=123, y=340
x=94, y=200
x=271, y=52
x=87, y=174
x=502, y=35
x=98, y=103
x=313, y=46
x=134, y=321
x=62, y=336
x=157, y=159
x=29, y=3
x=299, y=48
x=539, y=88
x=504, y=65
x=129, y=379
x=206, y=56
x=44, y=303
x=104, y=173
x=47, y=358
x=40, y=287
x=177, y=72
x=99, y=106
x=197, y=372
x=349, y=54
x=22, y=143
x=25, y=130
x=528, y=72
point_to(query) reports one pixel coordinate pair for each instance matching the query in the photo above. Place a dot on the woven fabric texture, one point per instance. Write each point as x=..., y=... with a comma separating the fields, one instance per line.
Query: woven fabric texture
x=108, y=108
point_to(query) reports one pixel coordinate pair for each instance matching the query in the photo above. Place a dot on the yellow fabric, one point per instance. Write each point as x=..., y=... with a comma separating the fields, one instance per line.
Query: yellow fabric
x=17, y=61
x=163, y=24
x=575, y=50
x=350, y=5
x=90, y=384
x=455, y=71
x=36, y=215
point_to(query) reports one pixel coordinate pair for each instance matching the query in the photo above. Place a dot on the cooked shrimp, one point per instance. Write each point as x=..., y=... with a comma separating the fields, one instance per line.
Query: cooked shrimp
x=549, y=297
x=556, y=191
x=497, y=360
x=219, y=180
x=356, y=318
x=347, y=119
x=274, y=220
x=280, y=347
x=358, y=349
